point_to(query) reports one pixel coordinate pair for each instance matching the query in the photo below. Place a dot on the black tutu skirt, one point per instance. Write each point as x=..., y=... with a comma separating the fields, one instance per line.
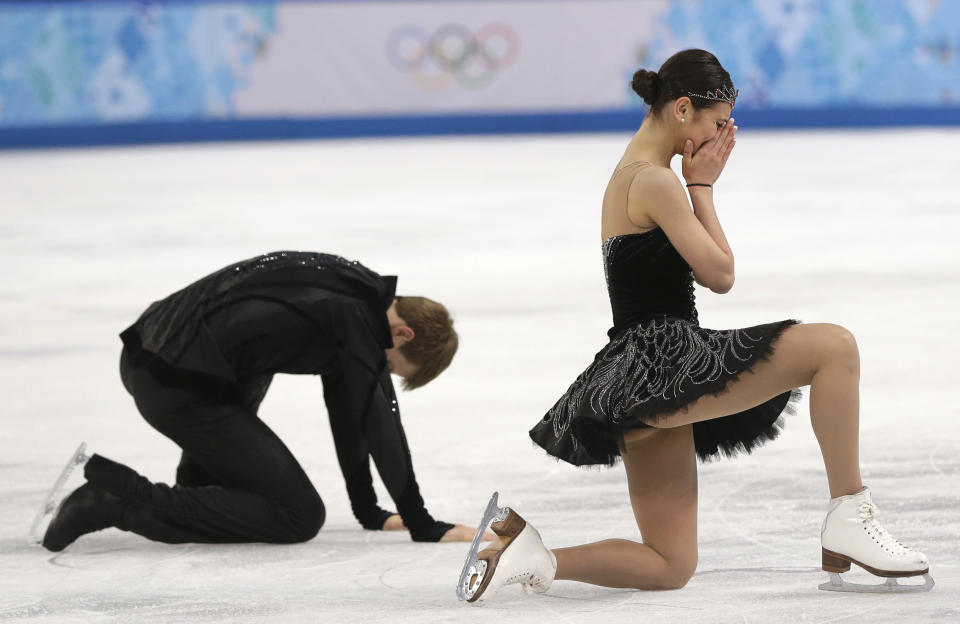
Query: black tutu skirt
x=657, y=368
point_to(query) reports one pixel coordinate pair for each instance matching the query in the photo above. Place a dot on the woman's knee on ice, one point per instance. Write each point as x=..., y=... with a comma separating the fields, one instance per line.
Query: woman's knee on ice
x=674, y=574
x=677, y=573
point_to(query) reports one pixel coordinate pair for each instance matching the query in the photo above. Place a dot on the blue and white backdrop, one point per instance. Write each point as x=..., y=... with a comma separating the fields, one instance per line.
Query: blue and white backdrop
x=121, y=71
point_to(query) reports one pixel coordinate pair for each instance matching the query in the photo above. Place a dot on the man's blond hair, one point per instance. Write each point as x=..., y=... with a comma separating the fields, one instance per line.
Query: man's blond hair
x=434, y=341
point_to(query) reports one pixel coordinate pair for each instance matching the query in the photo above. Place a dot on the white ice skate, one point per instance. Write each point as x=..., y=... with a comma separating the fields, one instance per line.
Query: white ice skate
x=517, y=556
x=44, y=514
x=851, y=533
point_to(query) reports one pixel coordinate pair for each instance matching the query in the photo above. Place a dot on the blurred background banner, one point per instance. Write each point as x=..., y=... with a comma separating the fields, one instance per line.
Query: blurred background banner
x=118, y=72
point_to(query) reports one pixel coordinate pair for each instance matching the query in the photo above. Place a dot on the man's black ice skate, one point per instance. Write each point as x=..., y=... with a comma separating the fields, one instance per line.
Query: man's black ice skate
x=86, y=510
x=49, y=505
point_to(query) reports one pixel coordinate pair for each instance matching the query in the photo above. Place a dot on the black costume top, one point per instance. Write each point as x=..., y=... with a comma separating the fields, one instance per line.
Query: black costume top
x=646, y=277
x=298, y=313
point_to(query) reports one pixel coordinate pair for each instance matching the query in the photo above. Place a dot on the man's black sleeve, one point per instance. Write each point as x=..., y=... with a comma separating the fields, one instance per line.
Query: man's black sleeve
x=365, y=421
x=353, y=455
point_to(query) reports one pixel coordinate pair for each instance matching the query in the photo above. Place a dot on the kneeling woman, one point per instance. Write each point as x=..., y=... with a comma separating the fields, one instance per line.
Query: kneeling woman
x=665, y=390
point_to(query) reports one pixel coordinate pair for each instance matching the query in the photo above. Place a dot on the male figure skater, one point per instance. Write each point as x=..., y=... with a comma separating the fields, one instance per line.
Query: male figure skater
x=199, y=362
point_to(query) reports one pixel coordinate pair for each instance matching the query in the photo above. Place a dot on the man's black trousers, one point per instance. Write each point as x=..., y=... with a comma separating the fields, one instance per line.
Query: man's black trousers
x=236, y=482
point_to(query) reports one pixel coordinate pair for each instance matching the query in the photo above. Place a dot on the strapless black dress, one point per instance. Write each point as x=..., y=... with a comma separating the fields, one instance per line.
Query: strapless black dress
x=657, y=361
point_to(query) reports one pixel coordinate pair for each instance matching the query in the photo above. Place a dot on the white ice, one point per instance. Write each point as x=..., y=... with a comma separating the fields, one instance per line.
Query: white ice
x=856, y=227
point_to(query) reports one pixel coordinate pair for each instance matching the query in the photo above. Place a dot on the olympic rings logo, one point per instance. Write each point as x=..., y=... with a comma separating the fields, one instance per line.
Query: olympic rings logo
x=453, y=52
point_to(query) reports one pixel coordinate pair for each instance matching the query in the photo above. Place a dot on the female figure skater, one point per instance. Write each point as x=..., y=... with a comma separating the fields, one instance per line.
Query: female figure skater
x=199, y=362
x=665, y=390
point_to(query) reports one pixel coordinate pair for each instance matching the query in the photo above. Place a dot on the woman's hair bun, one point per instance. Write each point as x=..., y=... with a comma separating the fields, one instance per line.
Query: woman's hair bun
x=647, y=85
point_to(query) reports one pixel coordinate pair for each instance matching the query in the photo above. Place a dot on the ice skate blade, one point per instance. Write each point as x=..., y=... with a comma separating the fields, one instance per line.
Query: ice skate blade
x=49, y=505
x=475, y=570
x=889, y=586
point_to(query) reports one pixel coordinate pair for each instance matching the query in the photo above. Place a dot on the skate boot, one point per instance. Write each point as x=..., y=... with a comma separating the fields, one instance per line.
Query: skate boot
x=86, y=510
x=517, y=556
x=851, y=533
x=49, y=505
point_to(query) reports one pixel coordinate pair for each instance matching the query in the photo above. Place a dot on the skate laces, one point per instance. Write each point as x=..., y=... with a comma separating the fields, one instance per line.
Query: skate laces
x=868, y=514
x=532, y=584
x=528, y=580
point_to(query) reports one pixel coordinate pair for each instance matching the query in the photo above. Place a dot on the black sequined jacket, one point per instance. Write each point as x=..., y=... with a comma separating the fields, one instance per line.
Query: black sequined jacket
x=298, y=313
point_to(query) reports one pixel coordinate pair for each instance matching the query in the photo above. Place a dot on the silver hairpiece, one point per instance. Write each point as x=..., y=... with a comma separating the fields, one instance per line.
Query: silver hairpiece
x=723, y=94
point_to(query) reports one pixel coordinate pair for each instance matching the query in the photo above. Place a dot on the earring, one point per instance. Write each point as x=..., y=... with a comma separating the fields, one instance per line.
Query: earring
x=683, y=120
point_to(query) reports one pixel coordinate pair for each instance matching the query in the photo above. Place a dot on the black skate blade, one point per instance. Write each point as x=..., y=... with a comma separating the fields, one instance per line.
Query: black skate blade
x=49, y=505
x=488, y=515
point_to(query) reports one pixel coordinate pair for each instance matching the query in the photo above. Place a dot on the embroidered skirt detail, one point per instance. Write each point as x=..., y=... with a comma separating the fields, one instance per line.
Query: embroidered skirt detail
x=657, y=368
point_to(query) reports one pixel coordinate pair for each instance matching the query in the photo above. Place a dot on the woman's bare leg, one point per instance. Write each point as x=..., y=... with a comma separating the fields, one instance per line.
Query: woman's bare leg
x=662, y=478
x=661, y=463
x=821, y=355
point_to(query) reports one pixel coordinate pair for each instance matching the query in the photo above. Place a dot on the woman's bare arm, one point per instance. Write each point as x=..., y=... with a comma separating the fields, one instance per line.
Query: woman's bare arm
x=704, y=167
x=668, y=207
x=702, y=199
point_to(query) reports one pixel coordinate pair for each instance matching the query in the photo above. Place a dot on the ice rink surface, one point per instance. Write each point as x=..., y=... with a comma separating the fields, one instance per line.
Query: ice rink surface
x=857, y=228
